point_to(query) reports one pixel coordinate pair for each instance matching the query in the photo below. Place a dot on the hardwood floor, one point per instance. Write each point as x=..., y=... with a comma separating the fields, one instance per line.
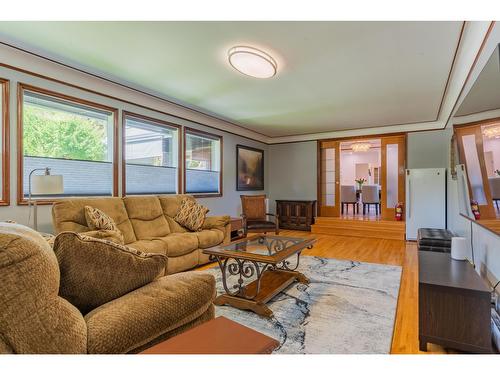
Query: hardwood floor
x=395, y=252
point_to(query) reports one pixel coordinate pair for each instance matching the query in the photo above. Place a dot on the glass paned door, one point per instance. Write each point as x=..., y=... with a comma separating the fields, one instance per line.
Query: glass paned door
x=470, y=143
x=329, y=160
x=392, y=179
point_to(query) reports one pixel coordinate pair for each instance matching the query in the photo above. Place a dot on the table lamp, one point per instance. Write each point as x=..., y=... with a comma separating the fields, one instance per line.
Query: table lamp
x=45, y=184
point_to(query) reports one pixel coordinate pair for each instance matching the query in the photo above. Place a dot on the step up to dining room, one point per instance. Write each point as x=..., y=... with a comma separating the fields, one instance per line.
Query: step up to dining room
x=359, y=227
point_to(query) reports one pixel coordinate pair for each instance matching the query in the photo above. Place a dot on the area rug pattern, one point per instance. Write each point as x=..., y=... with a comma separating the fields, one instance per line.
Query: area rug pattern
x=348, y=307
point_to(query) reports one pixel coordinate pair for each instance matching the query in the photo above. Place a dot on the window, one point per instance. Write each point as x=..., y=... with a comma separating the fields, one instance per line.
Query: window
x=4, y=143
x=203, y=160
x=73, y=137
x=151, y=154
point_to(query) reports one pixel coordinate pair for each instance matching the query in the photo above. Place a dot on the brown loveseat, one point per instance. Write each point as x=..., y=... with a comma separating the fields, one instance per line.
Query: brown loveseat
x=147, y=225
x=34, y=318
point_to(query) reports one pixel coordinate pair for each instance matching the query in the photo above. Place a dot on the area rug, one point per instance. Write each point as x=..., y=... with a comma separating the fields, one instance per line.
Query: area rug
x=348, y=307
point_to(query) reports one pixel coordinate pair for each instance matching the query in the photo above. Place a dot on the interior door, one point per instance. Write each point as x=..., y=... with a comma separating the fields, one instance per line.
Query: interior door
x=470, y=144
x=392, y=176
x=329, y=177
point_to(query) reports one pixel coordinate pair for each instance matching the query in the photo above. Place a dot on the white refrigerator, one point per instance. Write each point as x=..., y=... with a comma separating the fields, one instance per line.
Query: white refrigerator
x=425, y=200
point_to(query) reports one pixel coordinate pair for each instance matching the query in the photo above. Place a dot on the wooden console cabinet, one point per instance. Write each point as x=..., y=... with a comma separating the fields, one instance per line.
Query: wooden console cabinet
x=296, y=214
x=454, y=304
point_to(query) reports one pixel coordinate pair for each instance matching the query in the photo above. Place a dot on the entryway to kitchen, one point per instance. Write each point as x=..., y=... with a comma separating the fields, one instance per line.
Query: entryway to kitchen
x=361, y=186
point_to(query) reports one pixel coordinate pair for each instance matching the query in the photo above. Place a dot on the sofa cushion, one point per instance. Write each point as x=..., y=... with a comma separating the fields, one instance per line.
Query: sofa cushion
x=210, y=237
x=191, y=214
x=216, y=221
x=33, y=318
x=95, y=271
x=139, y=317
x=150, y=246
x=146, y=216
x=180, y=243
x=69, y=215
x=183, y=263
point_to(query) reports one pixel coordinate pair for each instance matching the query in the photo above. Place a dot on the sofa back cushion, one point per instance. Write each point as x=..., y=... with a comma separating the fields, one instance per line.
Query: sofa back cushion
x=33, y=318
x=96, y=271
x=69, y=215
x=146, y=215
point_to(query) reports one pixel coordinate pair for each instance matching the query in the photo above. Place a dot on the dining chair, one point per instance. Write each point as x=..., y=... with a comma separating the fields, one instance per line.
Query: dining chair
x=495, y=189
x=347, y=197
x=369, y=196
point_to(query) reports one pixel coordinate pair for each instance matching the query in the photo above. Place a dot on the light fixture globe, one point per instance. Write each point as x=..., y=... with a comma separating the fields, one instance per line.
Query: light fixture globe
x=360, y=147
x=252, y=62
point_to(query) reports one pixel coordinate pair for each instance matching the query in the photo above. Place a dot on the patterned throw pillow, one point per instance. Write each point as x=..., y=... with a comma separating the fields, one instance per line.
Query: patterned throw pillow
x=96, y=219
x=95, y=271
x=191, y=214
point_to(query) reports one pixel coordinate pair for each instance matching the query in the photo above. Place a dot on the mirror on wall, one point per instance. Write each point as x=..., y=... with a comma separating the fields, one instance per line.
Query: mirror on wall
x=477, y=131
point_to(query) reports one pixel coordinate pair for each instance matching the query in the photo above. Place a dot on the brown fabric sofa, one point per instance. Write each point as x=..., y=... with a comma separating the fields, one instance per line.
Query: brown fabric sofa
x=147, y=225
x=35, y=319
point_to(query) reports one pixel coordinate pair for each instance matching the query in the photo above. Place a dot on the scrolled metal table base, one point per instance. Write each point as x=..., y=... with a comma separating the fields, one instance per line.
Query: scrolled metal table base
x=256, y=282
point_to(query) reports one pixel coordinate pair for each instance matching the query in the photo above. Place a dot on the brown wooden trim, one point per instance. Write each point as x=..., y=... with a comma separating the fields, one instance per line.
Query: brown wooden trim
x=238, y=147
x=127, y=101
x=21, y=87
x=208, y=114
x=365, y=137
x=158, y=122
x=212, y=136
x=5, y=134
x=495, y=120
x=451, y=70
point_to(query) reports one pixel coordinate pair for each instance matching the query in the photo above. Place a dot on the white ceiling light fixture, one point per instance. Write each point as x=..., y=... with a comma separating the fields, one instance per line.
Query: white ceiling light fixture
x=252, y=62
x=360, y=147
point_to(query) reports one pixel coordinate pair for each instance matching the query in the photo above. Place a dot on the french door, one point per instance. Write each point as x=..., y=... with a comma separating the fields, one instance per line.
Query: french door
x=329, y=178
x=392, y=177
x=471, y=148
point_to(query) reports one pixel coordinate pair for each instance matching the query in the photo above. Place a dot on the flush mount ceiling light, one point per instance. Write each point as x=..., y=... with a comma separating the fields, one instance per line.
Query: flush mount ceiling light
x=492, y=131
x=360, y=147
x=252, y=62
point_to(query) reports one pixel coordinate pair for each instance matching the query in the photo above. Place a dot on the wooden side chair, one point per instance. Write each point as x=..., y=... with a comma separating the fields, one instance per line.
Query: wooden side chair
x=255, y=218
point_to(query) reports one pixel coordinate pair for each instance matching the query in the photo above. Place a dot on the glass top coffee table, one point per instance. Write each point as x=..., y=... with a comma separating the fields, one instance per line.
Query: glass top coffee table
x=256, y=268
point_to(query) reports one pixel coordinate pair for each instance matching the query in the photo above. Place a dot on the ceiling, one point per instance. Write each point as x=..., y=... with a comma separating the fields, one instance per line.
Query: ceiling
x=485, y=93
x=331, y=75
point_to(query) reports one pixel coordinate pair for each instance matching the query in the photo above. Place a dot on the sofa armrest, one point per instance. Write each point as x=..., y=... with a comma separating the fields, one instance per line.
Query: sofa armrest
x=216, y=222
x=152, y=311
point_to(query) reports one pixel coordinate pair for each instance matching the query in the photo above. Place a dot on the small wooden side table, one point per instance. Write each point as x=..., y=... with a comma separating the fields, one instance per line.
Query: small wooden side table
x=237, y=231
x=217, y=336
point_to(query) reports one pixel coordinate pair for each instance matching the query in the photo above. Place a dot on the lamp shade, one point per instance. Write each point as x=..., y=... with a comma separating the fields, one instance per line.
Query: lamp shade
x=47, y=185
x=459, y=248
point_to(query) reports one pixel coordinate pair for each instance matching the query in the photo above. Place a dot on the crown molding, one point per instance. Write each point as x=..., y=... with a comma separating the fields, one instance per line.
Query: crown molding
x=474, y=38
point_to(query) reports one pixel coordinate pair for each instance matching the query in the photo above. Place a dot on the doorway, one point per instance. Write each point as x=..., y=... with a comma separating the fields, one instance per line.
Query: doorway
x=361, y=178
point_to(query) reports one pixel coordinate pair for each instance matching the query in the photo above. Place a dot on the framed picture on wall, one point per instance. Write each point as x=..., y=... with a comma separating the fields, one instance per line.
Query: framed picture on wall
x=250, y=168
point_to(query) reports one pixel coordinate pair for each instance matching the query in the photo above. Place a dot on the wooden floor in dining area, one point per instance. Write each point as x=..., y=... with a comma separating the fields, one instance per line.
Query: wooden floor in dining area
x=394, y=252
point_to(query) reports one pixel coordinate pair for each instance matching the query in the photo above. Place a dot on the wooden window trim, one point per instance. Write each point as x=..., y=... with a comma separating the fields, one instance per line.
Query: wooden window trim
x=5, y=134
x=188, y=130
x=167, y=124
x=21, y=87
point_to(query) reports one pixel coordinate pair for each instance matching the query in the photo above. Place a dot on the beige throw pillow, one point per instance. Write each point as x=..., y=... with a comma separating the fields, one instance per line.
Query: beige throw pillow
x=102, y=225
x=191, y=214
x=96, y=271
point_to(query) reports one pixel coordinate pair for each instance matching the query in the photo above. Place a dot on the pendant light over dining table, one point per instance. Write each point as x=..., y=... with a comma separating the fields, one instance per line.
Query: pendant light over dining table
x=252, y=62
